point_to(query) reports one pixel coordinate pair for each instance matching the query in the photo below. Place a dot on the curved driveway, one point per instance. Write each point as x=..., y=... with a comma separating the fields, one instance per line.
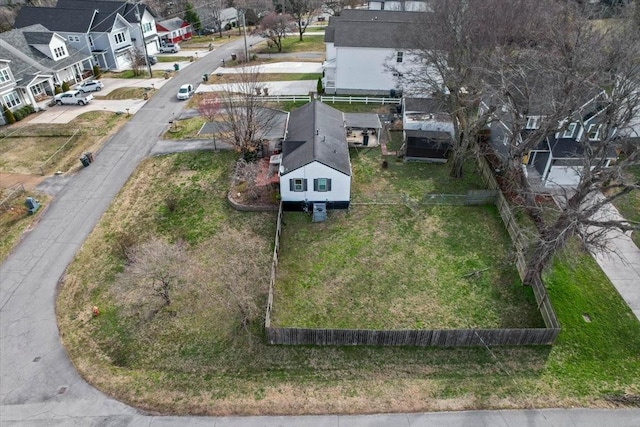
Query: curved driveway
x=38, y=384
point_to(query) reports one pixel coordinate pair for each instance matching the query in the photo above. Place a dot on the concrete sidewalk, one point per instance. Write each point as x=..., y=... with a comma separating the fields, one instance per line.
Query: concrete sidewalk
x=621, y=261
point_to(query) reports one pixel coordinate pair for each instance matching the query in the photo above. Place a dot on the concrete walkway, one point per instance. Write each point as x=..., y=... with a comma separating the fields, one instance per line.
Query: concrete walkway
x=621, y=261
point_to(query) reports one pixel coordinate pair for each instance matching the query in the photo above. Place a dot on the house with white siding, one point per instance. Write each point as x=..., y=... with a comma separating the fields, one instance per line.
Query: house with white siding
x=33, y=60
x=367, y=51
x=109, y=31
x=315, y=166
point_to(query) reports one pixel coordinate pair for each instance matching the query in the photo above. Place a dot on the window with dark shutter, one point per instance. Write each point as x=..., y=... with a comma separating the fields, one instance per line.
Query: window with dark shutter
x=298, y=184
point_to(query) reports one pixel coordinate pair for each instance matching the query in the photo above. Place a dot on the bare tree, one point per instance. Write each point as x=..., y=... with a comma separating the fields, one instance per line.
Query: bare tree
x=303, y=12
x=275, y=26
x=588, y=78
x=452, y=43
x=210, y=108
x=155, y=268
x=241, y=274
x=137, y=60
x=246, y=119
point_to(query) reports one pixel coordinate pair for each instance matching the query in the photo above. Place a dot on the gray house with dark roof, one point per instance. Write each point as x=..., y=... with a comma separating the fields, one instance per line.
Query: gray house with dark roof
x=361, y=45
x=32, y=61
x=109, y=31
x=315, y=166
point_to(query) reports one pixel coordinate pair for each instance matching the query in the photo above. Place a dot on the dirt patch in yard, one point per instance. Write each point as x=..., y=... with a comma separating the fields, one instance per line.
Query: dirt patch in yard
x=8, y=180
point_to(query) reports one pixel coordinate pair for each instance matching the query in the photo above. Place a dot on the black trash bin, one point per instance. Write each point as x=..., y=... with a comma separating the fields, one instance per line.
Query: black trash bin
x=89, y=156
x=233, y=57
x=205, y=77
x=84, y=161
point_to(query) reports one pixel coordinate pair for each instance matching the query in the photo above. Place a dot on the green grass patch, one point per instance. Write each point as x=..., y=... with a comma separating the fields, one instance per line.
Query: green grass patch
x=266, y=77
x=126, y=93
x=292, y=44
x=388, y=267
x=172, y=59
x=185, y=129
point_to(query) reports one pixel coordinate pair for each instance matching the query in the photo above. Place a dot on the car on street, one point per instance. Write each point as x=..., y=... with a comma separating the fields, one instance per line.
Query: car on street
x=185, y=92
x=90, y=86
x=170, y=48
x=73, y=97
x=152, y=60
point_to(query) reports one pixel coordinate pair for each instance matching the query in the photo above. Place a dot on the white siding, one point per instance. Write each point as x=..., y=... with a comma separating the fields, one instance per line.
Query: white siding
x=340, y=184
x=363, y=69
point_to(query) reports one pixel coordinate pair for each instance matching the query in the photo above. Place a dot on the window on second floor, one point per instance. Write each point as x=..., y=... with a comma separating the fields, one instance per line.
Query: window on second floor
x=146, y=27
x=570, y=130
x=4, y=75
x=533, y=122
x=59, y=52
x=593, y=132
x=399, y=56
x=91, y=41
x=120, y=38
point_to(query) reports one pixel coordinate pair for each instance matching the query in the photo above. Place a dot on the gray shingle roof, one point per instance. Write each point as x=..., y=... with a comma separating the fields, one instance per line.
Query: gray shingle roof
x=43, y=37
x=26, y=61
x=171, y=24
x=316, y=133
x=77, y=16
x=56, y=19
x=375, y=28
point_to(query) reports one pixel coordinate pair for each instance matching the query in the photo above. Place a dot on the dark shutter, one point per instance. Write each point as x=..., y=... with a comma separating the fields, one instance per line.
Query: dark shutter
x=328, y=184
x=304, y=185
x=315, y=184
x=291, y=186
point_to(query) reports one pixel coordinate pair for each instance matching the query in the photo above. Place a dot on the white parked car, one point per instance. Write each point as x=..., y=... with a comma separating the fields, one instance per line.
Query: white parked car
x=185, y=92
x=73, y=97
x=170, y=48
x=90, y=86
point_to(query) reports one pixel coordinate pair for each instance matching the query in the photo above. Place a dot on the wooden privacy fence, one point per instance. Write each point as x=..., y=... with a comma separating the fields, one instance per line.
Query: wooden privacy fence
x=430, y=337
x=412, y=337
x=274, y=269
x=521, y=245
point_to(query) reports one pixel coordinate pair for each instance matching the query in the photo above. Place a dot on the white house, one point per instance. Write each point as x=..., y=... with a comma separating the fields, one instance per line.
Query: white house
x=399, y=5
x=362, y=45
x=315, y=166
x=107, y=30
x=32, y=61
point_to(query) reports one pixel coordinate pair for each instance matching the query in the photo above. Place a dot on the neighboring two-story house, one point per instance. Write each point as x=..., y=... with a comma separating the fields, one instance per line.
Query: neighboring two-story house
x=32, y=61
x=362, y=47
x=107, y=30
x=557, y=159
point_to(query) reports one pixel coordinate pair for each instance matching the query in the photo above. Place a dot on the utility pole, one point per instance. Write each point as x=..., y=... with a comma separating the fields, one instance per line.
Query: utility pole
x=244, y=32
x=144, y=42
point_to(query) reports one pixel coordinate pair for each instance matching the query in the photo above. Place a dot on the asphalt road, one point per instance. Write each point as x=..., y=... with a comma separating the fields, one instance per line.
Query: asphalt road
x=38, y=384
